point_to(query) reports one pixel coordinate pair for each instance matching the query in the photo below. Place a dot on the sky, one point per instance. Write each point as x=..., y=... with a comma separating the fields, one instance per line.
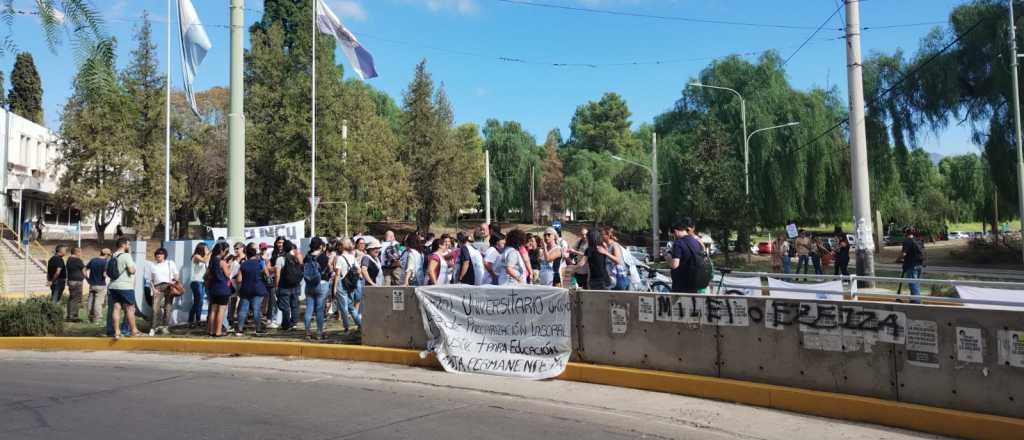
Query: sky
x=495, y=57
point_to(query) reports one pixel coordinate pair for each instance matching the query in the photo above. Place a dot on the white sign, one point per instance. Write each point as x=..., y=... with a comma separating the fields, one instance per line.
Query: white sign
x=970, y=347
x=923, y=343
x=988, y=294
x=791, y=230
x=397, y=300
x=1011, y=348
x=293, y=231
x=515, y=331
x=832, y=290
x=646, y=309
x=620, y=318
x=16, y=195
x=746, y=286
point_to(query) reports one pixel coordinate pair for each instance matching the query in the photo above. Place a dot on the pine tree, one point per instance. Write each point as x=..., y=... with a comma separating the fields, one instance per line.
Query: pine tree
x=145, y=85
x=3, y=96
x=26, y=95
x=553, y=174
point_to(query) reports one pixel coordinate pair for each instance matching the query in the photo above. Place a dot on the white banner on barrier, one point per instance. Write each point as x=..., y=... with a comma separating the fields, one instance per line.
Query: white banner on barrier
x=747, y=286
x=985, y=293
x=293, y=231
x=832, y=290
x=515, y=331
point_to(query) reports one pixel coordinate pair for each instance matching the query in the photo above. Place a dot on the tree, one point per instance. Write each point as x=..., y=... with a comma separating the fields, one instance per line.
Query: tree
x=145, y=85
x=511, y=157
x=553, y=175
x=3, y=96
x=427, y=145
x=101, y=169
x=26, y=95
x=198, y=168
x=602, y=126
x=964, y=181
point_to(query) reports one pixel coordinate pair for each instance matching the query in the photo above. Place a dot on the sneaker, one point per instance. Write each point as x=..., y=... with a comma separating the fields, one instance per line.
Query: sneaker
x=152, y=332
x=273, y=325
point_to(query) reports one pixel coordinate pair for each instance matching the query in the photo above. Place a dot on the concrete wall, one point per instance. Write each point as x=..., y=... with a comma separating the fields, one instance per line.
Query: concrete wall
x=862, y=348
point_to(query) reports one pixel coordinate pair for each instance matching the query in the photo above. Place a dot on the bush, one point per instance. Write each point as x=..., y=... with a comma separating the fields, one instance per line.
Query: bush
x=1005, y=250
x=31, y=317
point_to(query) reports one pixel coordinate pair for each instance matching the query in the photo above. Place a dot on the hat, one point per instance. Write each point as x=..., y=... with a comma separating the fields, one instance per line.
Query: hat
x=551, y=231
x=264, y=246
x=372, y=243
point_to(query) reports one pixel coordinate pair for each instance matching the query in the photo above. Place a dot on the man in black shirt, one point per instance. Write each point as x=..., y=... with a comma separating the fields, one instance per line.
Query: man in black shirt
x=685, y=250
x=56, y=274
x=76, y=278
x=913, y=262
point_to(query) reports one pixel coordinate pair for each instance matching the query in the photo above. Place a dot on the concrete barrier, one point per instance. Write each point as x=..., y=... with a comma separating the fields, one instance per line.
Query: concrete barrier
x=897, y=352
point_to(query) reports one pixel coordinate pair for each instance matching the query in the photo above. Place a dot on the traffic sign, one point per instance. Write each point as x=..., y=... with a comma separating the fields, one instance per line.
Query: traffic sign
x=16, y=196
x=314, y=201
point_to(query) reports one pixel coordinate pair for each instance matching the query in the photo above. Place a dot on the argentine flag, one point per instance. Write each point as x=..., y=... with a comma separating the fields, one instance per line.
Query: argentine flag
x=194, y=45
x=358, y=56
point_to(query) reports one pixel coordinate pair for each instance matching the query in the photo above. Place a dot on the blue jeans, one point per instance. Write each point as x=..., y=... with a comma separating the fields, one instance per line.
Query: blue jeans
x=621, y=282
x=195, y=314
x=802, y=263
x=343, y=299
x=357, y=296
x=288, y=304
x=316, y=296
x=243, y=311
x=786, y=263
x=57, y=290
x=816, y=260
x=915, y=288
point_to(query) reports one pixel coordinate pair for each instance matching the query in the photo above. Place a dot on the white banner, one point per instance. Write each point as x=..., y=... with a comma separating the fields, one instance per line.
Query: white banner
x=832, y=290
x=515, y=331
x=293, y=231
x=746, y=286
x=988, y=294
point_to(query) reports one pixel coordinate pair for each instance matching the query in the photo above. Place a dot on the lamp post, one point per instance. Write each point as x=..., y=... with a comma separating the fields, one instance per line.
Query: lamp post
x=1016, y=115
x=653, y=169
x=743, y=118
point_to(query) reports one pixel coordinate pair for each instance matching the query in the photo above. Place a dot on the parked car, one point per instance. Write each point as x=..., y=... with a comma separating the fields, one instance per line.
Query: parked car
x=764, y=247
x=959, y=235
x=640, y=253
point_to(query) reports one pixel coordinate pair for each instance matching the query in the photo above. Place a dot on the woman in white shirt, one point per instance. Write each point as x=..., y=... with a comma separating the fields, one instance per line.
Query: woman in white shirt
x=161, y=274
x=200, y=259
x=515, y=267
x=550, y=254
x=347, y=274
x=494, y=262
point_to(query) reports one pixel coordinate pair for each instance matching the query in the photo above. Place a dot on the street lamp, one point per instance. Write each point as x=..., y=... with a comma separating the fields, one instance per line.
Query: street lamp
x=746, y=149
x=653, y=169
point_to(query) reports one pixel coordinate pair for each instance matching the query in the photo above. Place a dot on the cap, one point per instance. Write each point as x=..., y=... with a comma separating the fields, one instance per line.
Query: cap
x=264, y=246
x=551, y=231
x=372, y=243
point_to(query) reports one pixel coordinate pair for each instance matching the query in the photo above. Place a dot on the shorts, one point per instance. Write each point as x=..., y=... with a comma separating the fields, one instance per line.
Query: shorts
x=122, y=296
x=219, y=300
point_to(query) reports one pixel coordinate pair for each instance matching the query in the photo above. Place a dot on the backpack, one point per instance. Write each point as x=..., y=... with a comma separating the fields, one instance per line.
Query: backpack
x=350, y=280
x=700, y=268
x=113, y=272
x=392, y=259
x=792, y=250
x=291, y=273
x=311, y=270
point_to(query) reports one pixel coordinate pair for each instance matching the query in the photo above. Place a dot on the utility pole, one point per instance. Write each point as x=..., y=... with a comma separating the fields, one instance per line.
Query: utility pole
x=167, y=137
x=533, y=195
x=236, y=127
x=1016, y=117
x=858, y=144
x=312, y=191
x=487, y=186
x=654, y=197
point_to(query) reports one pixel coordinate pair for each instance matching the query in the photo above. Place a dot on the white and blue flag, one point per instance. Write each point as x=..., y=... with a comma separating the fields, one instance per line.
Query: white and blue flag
x=358, y=56
x=194, y=45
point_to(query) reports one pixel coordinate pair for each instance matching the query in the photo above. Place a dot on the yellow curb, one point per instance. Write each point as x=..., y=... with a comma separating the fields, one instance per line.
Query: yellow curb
x=833, y=405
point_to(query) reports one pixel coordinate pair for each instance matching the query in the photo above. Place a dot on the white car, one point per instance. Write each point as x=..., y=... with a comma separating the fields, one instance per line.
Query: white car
x=959, y=235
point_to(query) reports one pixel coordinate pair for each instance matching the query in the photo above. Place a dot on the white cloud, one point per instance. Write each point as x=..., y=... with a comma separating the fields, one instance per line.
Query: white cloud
x=460, y=6
x=348, y=9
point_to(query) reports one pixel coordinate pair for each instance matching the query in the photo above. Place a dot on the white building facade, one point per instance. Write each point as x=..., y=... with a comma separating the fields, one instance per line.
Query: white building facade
x=32, y=152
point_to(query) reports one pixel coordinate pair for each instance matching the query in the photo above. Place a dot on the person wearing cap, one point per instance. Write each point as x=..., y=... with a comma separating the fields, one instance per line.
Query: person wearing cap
x=373, y=271
x=550, y=259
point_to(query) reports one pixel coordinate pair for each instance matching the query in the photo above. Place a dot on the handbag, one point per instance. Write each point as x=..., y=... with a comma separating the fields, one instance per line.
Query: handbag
x=175, y=289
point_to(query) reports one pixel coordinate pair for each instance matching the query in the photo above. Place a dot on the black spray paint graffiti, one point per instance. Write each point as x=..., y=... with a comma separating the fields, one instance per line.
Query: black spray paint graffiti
x=780, y=314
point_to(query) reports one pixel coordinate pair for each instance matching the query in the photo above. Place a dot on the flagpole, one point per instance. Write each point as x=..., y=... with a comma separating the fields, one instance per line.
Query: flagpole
x=167, y=134
x=312, y=194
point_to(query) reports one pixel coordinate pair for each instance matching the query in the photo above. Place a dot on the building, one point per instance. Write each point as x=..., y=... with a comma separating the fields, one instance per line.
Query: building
x=31, y=152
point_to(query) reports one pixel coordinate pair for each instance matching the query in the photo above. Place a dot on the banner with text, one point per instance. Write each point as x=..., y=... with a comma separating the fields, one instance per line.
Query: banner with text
x=515, y=331
x=293, y=231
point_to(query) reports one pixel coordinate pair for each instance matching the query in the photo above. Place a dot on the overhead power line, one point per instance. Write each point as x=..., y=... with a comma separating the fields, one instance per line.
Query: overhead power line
x=809, y=37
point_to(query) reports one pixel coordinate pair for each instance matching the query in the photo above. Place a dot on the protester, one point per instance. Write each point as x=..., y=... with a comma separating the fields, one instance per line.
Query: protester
x=912, y=256
x=617, y=267
x=817, y=251
x=550, y=259
x=252, y=288
x=121, y=294
x=317, y=274
x=516, y=268
x=595, y=262
x=76, y=278
x=218, y=289
x=524, y=254
x=803, y=251
x=483, y=238
x=842, y=255
x=686, y=249
x=533, y=252
x=161, y=274
x=200, y=261
x=391, y=259
x=412, y=261
x=288, y=277
x=346, y=282
x=57, y=273
x=95, y=271
x=582, y=274
x=273, y=313
x=494, y=261
x=471, y=263
x=780, y=254
x=439, y=269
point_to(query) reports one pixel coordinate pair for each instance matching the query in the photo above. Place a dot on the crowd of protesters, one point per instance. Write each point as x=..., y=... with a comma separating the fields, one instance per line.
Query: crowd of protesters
x=260, y=286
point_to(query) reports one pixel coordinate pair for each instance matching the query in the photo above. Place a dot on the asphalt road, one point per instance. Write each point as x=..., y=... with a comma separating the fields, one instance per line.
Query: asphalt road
x=111, y=395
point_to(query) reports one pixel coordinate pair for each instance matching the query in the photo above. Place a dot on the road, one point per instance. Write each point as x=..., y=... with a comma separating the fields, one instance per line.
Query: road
x=115, y=395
